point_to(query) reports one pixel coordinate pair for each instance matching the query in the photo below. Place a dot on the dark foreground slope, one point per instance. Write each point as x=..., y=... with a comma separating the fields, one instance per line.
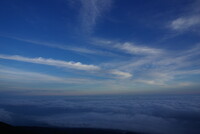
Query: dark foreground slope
x=8, y=129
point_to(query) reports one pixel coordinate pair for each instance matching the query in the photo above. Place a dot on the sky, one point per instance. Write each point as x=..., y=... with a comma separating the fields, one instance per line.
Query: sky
x=90, y=47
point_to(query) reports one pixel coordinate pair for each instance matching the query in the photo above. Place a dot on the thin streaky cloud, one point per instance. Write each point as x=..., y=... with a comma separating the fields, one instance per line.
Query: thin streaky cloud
x=161, y=69
x=135, y=49
x=120, y=74
x=127, y=47
x=51, y=62
x=13, y=78
x=65, y=64
x=150, y=82
x=190, y=20
x=90, y=12
x=64, y=47
x=13, y=74
x=184, y=23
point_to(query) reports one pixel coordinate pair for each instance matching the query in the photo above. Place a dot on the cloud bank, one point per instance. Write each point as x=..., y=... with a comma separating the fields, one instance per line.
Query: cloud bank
x=151, y=114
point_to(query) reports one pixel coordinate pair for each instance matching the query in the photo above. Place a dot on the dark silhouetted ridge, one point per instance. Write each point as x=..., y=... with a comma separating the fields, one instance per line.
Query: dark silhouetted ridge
x=4, y=125
x=8, y=129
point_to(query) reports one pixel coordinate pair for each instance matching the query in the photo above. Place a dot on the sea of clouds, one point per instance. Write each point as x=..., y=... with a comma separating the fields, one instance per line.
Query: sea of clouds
x=162, y=114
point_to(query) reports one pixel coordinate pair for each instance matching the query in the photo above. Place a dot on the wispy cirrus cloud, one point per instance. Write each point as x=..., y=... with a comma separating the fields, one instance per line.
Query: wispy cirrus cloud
x=154, y=66
x=63, y=46
x=135, y=49
x=167, y=68
x=13, y=74
x=121, y=74
x=150, y=69
x=149, y=65
x=185, y=23
x=189, y=20
x=65, y=64
x=91, y=11
x=38, y=83
x=127, y=47
x=52, y=62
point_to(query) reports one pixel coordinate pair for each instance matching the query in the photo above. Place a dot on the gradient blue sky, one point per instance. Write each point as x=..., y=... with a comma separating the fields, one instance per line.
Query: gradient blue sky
x=81, y=47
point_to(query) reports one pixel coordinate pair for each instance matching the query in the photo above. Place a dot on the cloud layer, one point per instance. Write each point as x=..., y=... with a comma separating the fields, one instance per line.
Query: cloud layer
x=151, y=114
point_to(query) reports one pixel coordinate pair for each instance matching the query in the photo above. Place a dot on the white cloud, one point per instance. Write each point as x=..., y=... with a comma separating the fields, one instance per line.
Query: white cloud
x=58, y=63
x=128, y=47
x=120, y=74
x=11, y=74
x=184, y=23
x=62, y=46
x=150, y=82
x=36, y=83
x=135, y=49
x=91, y=10
x=51, y=62
x=153, y=66
x=189, y=20
x=164, y=68
x=147, y=113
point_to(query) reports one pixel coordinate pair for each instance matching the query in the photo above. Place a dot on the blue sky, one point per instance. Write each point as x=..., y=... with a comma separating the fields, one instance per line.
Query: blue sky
x=81, y=47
